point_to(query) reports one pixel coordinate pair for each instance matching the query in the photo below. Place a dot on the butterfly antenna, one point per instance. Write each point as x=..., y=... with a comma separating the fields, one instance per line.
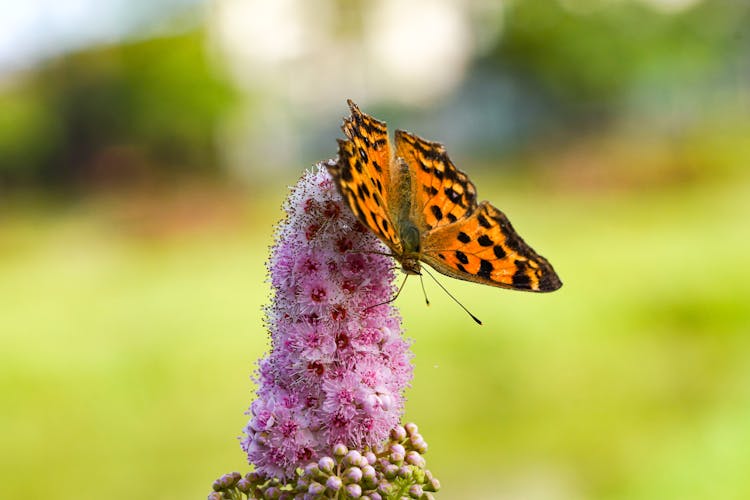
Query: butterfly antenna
x=392, y=298
x=451, y=296
x=421, y=282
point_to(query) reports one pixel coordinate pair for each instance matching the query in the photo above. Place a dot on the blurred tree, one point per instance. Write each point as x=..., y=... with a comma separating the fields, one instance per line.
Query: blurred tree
x=583, y=57
x=115, y=113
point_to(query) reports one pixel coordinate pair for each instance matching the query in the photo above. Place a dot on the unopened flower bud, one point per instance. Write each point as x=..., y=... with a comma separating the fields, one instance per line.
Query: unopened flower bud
x=432, y=485
x=415, y=459
x=384, y=487
x=353, y=490
x=415, y=491
x=310, y=470
x=244, y=485
x=404, y=471
x=227, y=480
x=316, y=488
x=398, y=433
x=397, y=448
x=396, y=458
x=369, y=474
x=326, y=464
x=352, y=458
x=353, y=475
x=340, y=450
x=419, y=445
x=334, y=483
x=390, y=471
x=411, y=428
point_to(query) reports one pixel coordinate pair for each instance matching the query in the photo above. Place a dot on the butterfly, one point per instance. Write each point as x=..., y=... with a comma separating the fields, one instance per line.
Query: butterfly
x=425, y=209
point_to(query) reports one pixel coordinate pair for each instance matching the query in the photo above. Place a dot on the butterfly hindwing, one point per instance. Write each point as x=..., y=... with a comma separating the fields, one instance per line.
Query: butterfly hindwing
x=485, y=248
x=442, y=193
x=362, y=173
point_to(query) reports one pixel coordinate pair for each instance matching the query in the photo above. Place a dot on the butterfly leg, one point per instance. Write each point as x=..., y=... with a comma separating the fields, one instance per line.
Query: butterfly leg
x=372, y=252
x=392, y=298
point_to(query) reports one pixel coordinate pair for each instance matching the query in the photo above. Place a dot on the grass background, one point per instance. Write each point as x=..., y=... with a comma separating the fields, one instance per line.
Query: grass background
x=130, y=326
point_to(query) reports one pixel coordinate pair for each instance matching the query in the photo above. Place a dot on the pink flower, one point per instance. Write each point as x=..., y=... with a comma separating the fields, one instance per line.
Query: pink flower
x=337, y=367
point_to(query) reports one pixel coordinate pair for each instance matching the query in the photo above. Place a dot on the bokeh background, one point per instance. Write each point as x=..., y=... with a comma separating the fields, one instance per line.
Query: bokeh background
x=145, y=150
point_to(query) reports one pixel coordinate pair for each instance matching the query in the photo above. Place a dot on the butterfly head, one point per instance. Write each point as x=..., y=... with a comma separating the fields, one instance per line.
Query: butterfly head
x=410, y=265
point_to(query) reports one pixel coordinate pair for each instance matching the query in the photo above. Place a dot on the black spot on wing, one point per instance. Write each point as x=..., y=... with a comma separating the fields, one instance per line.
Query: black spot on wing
x=363, y=155
x=462, y=258
x=436, y=212
x=451, y=217
x=483, y=221
x=346, y=173
x=452, y=195
x=512, y=240
x=520, y=278
x=463, y=237
x=485, y=269
x=431, y=153
x=499, y=252
x=485, y=241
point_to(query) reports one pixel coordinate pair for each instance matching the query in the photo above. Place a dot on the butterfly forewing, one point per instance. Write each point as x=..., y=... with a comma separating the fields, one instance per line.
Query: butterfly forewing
x=362, y=173
x=442, y=193
x=485, y=248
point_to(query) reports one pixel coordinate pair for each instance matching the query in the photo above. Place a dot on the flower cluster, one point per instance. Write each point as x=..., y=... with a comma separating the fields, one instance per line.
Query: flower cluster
x=338, y=364
x=395, y=469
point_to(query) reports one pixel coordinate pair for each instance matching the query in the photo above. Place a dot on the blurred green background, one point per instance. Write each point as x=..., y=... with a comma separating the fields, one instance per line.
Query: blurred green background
x=146, y=147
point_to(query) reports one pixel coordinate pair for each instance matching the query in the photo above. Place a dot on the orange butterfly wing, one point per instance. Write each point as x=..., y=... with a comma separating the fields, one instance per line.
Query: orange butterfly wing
x=442, y=193
x=362, y=174
x=460, y=238
x=484, y=248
